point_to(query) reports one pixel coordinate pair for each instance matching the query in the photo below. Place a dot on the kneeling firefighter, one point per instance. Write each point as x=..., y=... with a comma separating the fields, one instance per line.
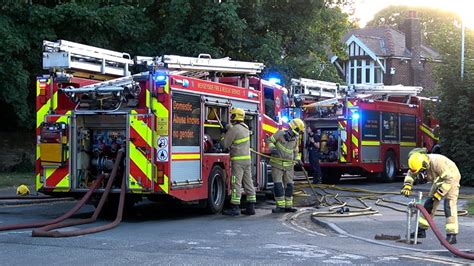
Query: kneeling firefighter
x=445, y=176
x=284, y=146
x=237, y=139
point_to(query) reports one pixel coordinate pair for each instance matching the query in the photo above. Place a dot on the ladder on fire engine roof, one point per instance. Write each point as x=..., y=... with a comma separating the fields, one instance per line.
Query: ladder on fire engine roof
x=66, y=55
x=314, y=88
x=204, y=62
x=367, y=90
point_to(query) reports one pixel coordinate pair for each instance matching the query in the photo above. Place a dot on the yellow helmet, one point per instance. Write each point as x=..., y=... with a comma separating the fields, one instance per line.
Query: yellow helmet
x=237, y=114
x=297, y=126
x=417, y=162
x=22, y=190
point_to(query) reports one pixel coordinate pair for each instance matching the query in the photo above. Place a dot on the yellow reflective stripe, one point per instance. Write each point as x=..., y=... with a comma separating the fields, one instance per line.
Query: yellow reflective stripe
x=282, y=163
x=370, y=143
x=451, y=228
x=355, y=141
x=55, y=101
x=167, y=85
x=280, y=203
x=211, y=125
x=407, y=144
x=42, y=113
x=165, y=186
x=147, y=100
x=269, y=128
x=140, y=160
x=428, y=132
x=242, y=140
x=185, y=156
x=141, y=127
x=423, y=223
x=244, y=157
x=283, y=148
x=39, y=185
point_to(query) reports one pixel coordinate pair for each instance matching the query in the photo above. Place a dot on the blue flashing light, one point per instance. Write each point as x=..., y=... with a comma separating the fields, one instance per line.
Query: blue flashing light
x=355, y=116
x=284, y=119
x=160, y=78
x=274, y=80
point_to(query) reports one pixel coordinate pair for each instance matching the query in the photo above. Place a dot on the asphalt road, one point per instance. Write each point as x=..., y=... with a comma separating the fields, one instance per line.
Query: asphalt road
x=157, y=234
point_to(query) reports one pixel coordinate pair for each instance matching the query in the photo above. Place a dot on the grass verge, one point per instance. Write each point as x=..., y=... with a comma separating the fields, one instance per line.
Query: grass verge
x=16, y=179
x=470, y=207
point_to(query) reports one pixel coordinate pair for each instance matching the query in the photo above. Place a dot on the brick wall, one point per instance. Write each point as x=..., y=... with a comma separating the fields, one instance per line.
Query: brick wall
x=404, y=74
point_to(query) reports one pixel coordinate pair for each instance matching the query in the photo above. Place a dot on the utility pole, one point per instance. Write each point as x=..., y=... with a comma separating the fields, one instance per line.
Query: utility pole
x=462, y=50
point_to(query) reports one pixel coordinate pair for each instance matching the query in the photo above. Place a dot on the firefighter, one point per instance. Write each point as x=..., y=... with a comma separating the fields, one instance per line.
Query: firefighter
x=445, y=176
x=313, y=146
x=237, y=138
x=284, y=145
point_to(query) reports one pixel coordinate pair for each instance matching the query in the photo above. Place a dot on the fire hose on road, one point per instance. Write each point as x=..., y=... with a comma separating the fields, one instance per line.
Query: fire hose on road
x=56, y=223
x=440, y=237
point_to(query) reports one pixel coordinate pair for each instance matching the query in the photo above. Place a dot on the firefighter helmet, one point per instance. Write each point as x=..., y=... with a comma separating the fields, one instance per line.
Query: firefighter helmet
x=297, y=126
x=418, y=161
x=22, y=190
x=237, y=114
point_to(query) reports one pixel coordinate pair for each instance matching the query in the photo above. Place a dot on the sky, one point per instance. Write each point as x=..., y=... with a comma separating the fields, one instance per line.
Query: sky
x=366, y=9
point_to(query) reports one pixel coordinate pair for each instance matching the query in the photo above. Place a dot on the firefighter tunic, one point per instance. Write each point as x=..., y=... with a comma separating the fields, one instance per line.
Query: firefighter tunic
x=237, y=139
x=446, y=178
x=285, y=147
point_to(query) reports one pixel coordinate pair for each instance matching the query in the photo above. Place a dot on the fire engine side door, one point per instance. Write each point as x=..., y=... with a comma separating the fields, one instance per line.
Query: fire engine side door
x=140, y=154
x=53, y=152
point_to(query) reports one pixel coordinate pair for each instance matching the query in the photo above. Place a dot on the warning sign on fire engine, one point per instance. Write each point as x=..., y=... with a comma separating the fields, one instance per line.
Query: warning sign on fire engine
x=162, y=155
x=186, y=120
x=162, y=142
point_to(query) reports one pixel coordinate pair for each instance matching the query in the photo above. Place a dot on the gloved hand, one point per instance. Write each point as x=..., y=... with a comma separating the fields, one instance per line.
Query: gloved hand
x=275, y=153
x=299, y=163
x=406, y=190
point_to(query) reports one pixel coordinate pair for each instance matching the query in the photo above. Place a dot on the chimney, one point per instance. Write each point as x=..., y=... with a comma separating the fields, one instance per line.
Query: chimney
x=412, y=30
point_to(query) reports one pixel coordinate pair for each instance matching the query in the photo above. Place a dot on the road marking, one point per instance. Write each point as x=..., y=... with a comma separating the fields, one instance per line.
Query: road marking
x=436, y=259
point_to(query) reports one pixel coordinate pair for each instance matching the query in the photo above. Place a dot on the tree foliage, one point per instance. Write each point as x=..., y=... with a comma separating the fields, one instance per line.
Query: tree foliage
x=293, y=38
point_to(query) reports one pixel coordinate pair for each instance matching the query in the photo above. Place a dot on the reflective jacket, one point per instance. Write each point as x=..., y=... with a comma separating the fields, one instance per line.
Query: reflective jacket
x=286, y=149
x=237, y=139
x=442, y=172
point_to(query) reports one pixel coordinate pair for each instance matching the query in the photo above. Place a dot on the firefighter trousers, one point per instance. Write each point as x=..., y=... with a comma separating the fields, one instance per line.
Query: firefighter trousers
x=242, y=176
x=283, y=185
x=450, y=209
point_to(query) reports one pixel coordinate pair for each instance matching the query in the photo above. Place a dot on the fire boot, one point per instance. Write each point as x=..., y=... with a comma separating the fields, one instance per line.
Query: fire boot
x=421, y=233
x=233, y=211
x=291, y=209
x=278, y=210
x=250, y=210
x=451, y=238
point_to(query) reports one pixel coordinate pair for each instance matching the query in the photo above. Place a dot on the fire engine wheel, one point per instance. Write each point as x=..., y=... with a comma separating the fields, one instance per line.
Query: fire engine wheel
x=216, y=190
x=389, y=167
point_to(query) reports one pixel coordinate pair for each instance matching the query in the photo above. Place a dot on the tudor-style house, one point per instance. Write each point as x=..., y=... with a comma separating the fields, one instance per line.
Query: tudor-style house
x=386, y=55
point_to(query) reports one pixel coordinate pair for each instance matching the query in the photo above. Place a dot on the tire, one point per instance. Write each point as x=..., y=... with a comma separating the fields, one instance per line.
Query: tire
x=389, y=167
x=331, y=176
x=216, y=192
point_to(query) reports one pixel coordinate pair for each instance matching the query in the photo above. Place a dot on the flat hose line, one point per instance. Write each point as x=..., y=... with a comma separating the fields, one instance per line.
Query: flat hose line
x=440, y=237
x=68, y=214
x=46, y=230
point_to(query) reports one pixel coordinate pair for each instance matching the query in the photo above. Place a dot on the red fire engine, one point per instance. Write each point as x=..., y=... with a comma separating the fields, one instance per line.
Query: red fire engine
x=168, y=120
x=365, y=129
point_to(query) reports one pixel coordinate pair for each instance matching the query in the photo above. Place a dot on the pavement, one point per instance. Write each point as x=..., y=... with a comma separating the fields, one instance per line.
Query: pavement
x=394, y=223
x=33, y=198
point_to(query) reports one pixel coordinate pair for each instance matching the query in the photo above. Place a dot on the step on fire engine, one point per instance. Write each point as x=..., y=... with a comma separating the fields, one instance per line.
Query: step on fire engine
x=168, y=120
x=365, y=129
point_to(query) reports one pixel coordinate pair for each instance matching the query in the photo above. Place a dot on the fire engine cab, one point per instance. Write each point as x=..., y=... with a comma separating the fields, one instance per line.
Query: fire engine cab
x=167, y=120
x=365, y=129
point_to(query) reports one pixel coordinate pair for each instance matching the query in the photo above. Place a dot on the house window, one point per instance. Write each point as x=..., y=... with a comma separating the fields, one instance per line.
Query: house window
x=365, y=71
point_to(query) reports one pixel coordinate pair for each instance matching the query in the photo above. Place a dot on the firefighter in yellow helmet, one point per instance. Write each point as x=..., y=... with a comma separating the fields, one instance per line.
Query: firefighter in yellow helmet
x=237, y=138
x=22, y=190
x=284, y=146
x=445, y=176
